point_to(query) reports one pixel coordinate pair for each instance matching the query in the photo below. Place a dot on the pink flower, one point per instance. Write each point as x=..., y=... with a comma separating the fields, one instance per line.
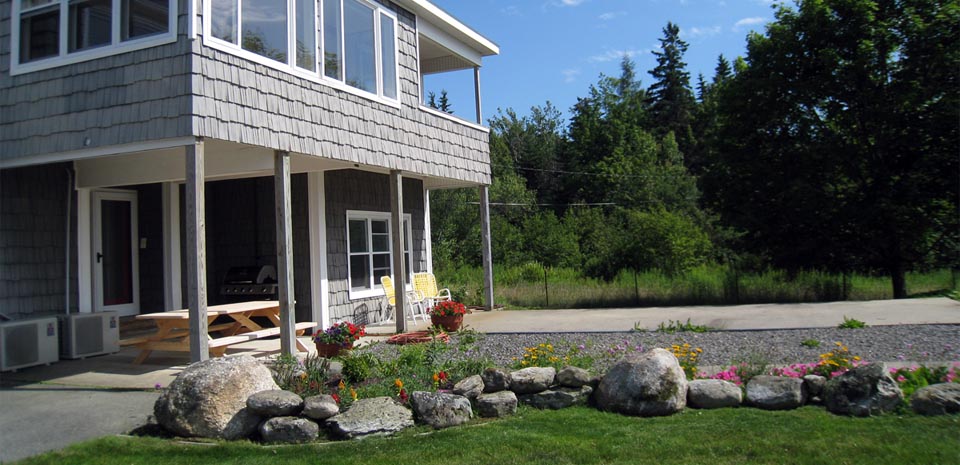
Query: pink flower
x=901, y=379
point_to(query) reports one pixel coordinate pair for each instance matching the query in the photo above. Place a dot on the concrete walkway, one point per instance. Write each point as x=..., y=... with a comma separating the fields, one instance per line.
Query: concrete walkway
x=75, y=400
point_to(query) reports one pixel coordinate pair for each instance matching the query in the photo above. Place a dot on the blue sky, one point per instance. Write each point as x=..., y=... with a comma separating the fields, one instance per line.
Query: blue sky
x=554, y=49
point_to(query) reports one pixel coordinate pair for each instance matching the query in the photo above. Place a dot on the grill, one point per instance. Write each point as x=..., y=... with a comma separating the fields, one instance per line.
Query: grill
x=250, y=282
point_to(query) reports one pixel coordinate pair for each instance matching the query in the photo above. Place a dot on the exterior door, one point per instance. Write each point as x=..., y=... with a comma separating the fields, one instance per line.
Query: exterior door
x=116, y=283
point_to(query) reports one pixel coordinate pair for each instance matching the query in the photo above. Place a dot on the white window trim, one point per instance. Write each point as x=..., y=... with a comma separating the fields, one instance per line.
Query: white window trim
x=377, y=290
x=64, y=58
x=314, y=76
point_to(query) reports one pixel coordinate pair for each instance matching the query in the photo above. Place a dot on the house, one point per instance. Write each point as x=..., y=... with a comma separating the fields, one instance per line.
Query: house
x=148, y=147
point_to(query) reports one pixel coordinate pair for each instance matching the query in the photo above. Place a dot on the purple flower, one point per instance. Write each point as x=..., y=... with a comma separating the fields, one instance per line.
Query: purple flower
x=158, y=386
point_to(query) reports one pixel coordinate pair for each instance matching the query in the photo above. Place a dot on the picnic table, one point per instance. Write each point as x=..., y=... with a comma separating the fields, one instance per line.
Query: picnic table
x=173, y=328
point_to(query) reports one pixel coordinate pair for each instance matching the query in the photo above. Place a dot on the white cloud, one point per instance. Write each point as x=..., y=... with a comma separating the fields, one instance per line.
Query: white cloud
x=612, y=15
x=611, y=55
x=701, y=31
x=511, y=10
x=570, y=2
x=570, y=75
x=749, y=22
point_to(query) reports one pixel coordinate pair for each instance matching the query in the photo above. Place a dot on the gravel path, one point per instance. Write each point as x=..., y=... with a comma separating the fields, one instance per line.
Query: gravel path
x=939, y=343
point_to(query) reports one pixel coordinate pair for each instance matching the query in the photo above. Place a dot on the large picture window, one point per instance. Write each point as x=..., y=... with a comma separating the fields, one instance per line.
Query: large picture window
x=370, y=251
x=360, y=46
x=53, y=33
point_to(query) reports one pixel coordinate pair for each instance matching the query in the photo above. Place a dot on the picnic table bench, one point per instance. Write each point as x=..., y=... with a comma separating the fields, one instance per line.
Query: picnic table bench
x=173, y=328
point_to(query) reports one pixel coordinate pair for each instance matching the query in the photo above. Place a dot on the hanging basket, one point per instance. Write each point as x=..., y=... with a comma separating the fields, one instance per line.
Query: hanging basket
x=327, y=350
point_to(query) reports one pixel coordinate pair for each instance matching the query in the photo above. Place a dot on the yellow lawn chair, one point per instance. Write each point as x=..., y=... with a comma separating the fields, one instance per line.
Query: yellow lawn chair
x=414, y=300
x=426, y=285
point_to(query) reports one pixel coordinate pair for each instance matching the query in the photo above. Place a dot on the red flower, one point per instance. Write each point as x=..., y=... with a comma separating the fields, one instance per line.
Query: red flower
x=403, y=395
x=336, y=398
x=442, y=375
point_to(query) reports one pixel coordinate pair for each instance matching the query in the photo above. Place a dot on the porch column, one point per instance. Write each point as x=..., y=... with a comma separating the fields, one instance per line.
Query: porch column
x=172, y=291
x=486, y=249
x=281, y=182
x=476, y=92
x=396, y=232
x=196, y=252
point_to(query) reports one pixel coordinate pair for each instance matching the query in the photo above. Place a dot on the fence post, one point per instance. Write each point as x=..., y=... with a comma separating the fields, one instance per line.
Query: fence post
x=636, y=287
x=546, y=288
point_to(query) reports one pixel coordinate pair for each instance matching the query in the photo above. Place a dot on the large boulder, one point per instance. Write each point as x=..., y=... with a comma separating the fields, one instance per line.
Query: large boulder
x=533, y=379
x=936, y=399
x=320, y=407
x=469, y=387
x=209, y=398
x=647, y=384
x=815, y=385
x=573, y=377
x=863, y=391
x=290, y=430
x=713, y=393
x=495, y=380
x=439, y=409
x=556, y=399
x=776, y=392
x=497, y=404
x=275, y=403
x=373, y=416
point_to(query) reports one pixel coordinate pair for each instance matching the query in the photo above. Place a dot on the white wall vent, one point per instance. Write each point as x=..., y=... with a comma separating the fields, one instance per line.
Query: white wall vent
x=26, y=343
x=87, y=334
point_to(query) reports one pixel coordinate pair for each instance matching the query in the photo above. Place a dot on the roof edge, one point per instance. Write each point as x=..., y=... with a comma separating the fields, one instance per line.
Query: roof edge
x=451, y=25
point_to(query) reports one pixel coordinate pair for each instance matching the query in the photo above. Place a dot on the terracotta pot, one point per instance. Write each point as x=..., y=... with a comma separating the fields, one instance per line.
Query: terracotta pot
x=330, y=350
x=448, y=323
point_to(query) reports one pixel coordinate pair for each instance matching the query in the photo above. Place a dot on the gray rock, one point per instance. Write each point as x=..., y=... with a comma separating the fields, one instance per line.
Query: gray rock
x=495, y=380
x=373, y=416
x=776, y=392
x=936, y=399
x=439, y=409
x=275, y=403
x=713, y=393
x=647, y=384
x=497, y=404
x=863, y=391
x=556, y=399
x=209, y=398
x=469, y=387
x=533, y=379
x=573, y=377
x=815, y=384
x=289, y=430
x=320, y=407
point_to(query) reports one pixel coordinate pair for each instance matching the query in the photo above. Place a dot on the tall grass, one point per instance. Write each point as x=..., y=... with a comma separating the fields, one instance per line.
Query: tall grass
x=533, y=286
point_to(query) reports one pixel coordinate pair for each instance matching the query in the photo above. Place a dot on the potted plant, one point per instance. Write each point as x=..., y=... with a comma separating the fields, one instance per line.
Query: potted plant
x=448, y=315
x=337, y=338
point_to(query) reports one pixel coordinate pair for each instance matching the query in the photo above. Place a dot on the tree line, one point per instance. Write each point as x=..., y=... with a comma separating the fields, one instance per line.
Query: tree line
x=832, y=145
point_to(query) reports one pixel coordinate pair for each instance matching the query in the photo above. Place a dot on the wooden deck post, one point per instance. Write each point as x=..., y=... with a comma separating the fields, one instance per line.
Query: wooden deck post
x=196, y=252
x=486, y=248
x=281, y=182
x=476, y=92
x=399, y=271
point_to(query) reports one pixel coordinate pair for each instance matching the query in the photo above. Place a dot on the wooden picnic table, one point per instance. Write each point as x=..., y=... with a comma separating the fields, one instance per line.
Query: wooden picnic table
x=173, y=328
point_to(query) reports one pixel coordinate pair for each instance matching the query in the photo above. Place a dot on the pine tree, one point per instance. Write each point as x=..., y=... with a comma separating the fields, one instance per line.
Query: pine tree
x=671, y=100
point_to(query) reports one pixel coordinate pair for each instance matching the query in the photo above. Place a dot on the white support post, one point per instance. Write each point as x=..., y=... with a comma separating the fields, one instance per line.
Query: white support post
x=172, y=293
x=281, y=182
x=486, y=248
x=196, y=252
x=396, y=231
x=319, y=286
x=476, y=91
x=427, y=231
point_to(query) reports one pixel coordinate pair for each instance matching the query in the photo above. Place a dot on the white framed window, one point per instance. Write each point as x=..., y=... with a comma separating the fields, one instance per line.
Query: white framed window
x=355, y=50
x=360, y=46
x=51, y=33
x=370, y=251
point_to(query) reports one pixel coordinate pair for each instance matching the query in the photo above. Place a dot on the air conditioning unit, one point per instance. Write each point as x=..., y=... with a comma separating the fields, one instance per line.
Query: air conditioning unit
x=87, y=334
x=26, y=343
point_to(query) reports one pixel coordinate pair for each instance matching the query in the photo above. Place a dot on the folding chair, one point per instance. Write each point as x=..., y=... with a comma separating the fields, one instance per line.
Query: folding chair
x=413, y=299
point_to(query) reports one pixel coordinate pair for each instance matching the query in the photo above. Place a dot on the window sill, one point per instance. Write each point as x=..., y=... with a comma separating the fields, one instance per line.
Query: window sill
x=87, y=55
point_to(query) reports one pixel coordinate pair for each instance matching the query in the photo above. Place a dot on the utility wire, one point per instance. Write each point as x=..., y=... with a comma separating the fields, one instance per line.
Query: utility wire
x=586, y=173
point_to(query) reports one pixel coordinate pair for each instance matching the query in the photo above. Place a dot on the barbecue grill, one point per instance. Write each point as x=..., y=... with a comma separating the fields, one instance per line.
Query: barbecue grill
x=249, y=283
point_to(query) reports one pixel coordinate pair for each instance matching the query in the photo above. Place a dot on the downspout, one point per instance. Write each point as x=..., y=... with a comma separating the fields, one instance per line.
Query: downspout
x=66, y=308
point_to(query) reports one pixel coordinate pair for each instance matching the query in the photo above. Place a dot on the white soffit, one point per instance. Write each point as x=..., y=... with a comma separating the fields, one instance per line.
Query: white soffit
x=433, y=20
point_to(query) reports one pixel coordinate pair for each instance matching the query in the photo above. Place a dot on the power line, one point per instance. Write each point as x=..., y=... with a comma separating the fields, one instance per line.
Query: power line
x=587, y=173
x=508, y=204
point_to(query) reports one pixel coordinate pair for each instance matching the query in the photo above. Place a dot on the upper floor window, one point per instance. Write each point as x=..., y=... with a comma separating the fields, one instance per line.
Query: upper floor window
x=357, y=38
x=77, y=30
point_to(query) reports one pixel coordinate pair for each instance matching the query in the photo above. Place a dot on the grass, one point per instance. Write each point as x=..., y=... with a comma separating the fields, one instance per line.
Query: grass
x=851, y=323
x=581, y=435
x=525, y=287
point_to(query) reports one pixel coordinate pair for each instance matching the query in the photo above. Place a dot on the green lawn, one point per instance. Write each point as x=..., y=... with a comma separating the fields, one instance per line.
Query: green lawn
x=585, y=436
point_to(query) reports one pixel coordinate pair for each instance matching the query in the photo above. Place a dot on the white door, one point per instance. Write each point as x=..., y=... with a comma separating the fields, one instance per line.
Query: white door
x=116, y=283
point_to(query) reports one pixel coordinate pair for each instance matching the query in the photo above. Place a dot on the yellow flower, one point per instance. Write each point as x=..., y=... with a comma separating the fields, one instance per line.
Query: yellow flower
x=353, y=393
x=398, y=383
x=838, y=344
x=303, y=376
x=436, y=378
x=856, y=358
x=342, y=385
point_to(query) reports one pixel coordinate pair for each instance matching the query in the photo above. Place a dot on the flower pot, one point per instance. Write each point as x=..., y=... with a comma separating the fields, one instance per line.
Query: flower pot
x=448, y=323
x=330, y=350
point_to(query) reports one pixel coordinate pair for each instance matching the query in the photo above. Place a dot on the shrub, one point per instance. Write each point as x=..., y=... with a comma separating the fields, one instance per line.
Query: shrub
x=851, y=323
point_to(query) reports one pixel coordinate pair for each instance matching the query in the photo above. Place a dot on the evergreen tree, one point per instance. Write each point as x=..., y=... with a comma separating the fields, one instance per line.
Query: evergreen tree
x=672, y=105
